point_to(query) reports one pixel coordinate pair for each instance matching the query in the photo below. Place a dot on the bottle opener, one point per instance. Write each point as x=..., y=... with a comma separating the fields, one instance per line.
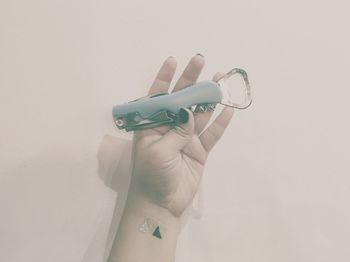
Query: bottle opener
x=164, y=108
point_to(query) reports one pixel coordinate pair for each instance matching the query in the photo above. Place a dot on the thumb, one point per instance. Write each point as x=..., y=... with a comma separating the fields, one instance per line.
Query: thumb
x=178, y=137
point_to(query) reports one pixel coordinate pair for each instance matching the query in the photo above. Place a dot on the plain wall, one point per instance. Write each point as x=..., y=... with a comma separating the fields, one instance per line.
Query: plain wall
x=276, y=187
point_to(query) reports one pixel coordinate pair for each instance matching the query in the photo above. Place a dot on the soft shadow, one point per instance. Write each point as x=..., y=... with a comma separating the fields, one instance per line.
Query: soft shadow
x=114, y=154
x=114, y=159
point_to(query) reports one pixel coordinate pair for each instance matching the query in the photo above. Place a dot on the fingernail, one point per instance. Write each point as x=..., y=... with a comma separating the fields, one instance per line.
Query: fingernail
x=183, y=115
x=200, y=54
x=171, y=56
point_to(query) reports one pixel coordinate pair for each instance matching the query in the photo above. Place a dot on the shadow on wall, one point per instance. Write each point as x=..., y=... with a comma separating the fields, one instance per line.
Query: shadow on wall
x=114, y=155
x=114, y=160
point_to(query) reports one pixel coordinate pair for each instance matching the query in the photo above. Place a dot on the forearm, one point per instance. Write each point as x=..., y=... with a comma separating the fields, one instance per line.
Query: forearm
x=136, y=243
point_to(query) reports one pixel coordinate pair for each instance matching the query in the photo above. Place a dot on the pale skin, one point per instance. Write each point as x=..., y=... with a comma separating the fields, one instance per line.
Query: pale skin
x=168, y=164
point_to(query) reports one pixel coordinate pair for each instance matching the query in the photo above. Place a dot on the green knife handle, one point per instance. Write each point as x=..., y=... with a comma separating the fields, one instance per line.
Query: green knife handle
x=199, y=93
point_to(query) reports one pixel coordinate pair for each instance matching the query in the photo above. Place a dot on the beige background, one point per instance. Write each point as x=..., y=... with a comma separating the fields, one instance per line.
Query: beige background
x=276, y=187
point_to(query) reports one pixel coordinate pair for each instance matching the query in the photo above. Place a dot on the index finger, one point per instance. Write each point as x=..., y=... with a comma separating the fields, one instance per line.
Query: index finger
x=191, y=72
x=163, y=79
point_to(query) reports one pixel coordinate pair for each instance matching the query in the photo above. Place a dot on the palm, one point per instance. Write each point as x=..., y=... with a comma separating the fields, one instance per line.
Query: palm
x=166, y=171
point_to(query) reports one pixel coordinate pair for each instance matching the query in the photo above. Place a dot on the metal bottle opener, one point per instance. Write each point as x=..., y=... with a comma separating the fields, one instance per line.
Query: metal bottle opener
x=164, y=108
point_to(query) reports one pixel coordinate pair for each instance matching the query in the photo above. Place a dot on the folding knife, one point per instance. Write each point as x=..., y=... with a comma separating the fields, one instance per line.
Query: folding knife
x=164, y=108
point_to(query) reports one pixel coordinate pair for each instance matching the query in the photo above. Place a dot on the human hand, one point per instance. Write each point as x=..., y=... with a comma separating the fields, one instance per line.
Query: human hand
x=168, y=163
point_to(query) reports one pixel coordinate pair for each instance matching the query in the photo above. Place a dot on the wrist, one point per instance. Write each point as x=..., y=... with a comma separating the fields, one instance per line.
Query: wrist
x=154, y=241
x=150, y=216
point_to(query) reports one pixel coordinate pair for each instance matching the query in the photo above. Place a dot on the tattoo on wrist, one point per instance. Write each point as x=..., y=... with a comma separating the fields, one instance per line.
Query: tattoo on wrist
x=149, y=226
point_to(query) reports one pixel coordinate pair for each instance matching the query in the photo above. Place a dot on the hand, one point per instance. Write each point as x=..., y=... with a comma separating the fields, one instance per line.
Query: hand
x=168, y=163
